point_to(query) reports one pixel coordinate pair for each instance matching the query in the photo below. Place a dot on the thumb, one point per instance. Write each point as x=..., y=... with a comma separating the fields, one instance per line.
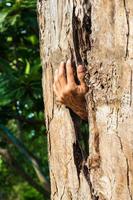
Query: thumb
x=81, y=70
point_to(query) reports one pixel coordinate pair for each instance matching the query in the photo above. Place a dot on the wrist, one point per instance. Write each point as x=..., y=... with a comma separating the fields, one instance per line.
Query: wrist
x=83, y=114
x=81, y=110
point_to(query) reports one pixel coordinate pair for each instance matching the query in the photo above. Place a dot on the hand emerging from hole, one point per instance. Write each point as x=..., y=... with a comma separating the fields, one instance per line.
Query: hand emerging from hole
x=68, y=92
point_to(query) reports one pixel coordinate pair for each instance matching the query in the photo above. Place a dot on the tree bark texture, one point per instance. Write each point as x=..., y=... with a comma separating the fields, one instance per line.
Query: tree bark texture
x=98, y=33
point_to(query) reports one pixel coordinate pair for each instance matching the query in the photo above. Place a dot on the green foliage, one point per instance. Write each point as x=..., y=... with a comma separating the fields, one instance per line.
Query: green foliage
x=24, y=192
x=21, y=103
x=84, y=137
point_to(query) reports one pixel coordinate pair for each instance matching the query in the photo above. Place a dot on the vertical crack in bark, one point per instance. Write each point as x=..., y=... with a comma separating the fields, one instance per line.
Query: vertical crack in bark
x=95, y=158
x=127, y=164
x=53, y=91
x=62, y=193
x=86, y=172
x=128, y=29
x=128, y=180
x=76, y=43
x=128, y=183
x=55, y=184
x=49, y=117
x=81, y=35
x=78, y=157
x=112, y=189
x=131, y=85
x=49, y=142
x=82, y=44
x=60, y=19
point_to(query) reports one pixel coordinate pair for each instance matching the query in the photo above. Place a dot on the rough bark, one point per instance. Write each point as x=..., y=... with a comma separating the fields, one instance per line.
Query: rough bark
x=100, y=35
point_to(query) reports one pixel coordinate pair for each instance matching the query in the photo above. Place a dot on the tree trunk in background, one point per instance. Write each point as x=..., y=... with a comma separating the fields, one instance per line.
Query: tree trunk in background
x=100, y=34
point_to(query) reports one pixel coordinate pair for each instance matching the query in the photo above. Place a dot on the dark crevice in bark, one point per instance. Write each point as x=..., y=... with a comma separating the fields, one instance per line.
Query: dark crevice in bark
x=84, y=138
x=78, y=157
x=76, y=42
x=82, y=133
x=80, y=165
x=128, y=29
x=82, y=44
x=81, y=36
x=94, y=157
x=128, y=180
x=80, y=148
x=87, y=176
x=78, y=151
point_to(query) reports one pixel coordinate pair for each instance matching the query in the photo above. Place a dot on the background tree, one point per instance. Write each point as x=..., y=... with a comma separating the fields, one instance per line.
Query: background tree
x=23, y=145
x=100, y=35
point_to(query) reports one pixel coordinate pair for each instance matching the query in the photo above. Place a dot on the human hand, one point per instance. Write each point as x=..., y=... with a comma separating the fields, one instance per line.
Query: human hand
x=67, y=91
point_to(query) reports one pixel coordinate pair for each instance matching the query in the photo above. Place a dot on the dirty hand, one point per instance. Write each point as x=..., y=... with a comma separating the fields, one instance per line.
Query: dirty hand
x=67, y=91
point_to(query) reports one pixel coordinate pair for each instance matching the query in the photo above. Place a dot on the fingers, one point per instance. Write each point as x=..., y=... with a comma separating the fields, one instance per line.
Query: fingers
x=65, y=87
x=69, y=72
x=81, y=73
x=65, y=74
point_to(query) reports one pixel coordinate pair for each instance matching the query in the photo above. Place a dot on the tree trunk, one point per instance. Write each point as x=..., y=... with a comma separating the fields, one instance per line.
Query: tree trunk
x=100, y=35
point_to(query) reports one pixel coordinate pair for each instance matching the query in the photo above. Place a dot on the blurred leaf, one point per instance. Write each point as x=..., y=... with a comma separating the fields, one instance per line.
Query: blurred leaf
x=27, y=68
x=2, y=17
x=33, y=39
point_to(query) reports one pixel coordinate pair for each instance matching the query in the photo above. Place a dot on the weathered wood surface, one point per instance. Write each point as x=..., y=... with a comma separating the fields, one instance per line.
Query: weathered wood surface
x=100, y=34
